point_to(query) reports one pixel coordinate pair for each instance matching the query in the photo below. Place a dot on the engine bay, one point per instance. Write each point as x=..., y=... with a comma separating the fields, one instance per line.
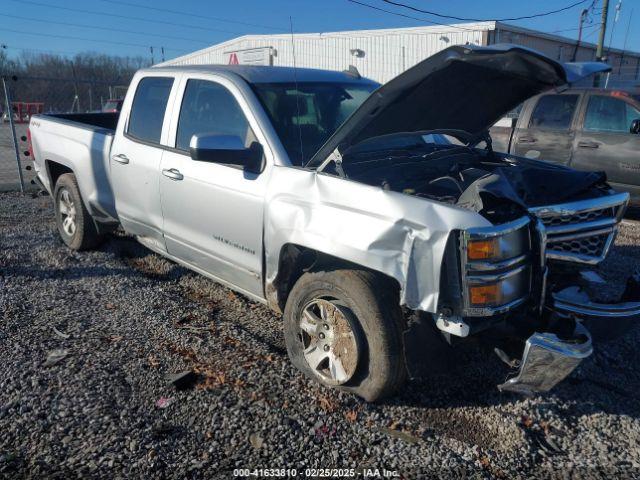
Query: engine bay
x=497, y=186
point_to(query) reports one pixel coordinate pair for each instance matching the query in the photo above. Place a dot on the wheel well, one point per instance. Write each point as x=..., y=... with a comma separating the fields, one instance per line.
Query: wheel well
x=295, y=260
x=56, y=169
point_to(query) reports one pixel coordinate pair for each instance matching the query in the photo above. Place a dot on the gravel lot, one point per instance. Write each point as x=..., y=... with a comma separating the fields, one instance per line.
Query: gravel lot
x=126, y=318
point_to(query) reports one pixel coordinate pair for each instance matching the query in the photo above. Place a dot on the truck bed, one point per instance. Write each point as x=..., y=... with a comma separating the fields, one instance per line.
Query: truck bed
x=78, y=143
x=106, y=120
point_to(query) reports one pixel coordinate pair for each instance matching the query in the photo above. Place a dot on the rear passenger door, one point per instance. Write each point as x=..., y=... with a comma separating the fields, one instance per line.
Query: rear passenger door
x=606, y=143
x=135, y=159
x=213, y=212
x=550, y=130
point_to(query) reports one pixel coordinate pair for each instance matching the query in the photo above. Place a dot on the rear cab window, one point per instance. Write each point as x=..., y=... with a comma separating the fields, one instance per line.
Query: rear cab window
x=148, y=109
x=554, y=112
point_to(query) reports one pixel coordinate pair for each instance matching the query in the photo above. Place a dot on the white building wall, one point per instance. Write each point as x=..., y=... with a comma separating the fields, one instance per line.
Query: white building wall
x=388, y=52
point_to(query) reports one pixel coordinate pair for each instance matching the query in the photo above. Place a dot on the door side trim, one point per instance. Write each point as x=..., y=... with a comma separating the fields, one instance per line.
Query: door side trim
x=204, y=273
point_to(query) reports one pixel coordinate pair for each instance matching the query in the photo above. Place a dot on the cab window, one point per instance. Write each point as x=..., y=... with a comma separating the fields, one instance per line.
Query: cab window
x=147, y=110
x=208, y=107
x=609, y=114
x=554, y=112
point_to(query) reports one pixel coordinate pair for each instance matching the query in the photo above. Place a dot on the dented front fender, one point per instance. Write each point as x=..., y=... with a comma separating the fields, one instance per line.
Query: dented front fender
x=398, y=235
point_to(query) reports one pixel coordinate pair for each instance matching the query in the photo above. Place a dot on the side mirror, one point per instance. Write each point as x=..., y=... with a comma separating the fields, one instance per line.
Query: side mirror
x=227, y=150
x=635, y=126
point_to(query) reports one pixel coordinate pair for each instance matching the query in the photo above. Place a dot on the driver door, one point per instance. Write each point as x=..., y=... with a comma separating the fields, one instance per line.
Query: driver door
x=213, y=212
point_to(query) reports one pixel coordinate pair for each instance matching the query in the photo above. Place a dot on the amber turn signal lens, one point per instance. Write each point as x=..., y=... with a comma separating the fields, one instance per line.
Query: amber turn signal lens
x=482, y=249
x=485, y=295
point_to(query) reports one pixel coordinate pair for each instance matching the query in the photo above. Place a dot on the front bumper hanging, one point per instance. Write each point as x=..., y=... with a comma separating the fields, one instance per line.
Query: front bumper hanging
x=548, y=357
x=547, y=360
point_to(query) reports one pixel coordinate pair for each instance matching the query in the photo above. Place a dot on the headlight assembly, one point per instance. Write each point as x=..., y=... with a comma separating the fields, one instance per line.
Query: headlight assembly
x=496, y=274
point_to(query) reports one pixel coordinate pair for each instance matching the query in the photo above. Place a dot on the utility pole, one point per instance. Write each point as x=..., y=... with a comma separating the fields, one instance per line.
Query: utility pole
x=603, y=31
x=613, y=27
x=583, y=16
x=624, y=48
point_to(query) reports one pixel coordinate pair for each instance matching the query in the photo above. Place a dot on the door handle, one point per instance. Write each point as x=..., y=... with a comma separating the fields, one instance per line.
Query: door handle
x=172, y=173
x=526, y=140
x=121, y=158
x=588, y=144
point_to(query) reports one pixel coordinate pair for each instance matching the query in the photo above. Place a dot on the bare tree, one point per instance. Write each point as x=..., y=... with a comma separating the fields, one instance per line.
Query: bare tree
x=81, y=83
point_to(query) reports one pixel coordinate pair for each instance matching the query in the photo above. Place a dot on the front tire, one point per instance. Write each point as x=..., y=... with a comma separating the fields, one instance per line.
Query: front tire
x=343, y=328
x=75, y=225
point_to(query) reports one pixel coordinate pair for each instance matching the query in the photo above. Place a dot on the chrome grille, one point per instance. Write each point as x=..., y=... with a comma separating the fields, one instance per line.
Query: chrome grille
x=593, y=246
x=579, y=217
x=581, y=231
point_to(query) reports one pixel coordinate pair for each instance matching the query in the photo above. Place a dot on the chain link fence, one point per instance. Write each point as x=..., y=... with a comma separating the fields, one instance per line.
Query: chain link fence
x=26, y=96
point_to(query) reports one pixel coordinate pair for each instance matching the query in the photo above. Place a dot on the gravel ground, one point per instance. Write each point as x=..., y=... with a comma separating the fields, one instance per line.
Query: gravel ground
x=126, y=319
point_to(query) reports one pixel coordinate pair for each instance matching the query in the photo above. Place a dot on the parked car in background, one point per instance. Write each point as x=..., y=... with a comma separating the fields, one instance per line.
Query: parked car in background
x=338, y=203
x=113, y=105
x=584, y=128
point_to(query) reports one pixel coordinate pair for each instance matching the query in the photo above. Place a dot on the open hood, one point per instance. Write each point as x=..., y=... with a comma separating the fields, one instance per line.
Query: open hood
x=463, y=87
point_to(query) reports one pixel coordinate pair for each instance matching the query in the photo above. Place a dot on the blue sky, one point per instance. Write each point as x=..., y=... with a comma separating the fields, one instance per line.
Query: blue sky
x=210, y=22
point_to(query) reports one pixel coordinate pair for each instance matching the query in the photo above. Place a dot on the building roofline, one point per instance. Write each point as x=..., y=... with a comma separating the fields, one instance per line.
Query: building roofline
x=471, y=27
x=559, y=38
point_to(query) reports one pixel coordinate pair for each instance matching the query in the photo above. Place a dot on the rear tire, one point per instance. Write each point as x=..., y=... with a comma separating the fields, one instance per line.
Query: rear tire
x=364, y=354
x=75, y=225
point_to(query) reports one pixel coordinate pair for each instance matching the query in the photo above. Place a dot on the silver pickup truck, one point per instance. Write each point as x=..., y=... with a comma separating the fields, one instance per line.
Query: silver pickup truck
x=375, y=219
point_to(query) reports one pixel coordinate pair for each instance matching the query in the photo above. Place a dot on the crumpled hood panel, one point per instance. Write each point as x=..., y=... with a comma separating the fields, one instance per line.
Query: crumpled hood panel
x=530, y=184
x=462, y=88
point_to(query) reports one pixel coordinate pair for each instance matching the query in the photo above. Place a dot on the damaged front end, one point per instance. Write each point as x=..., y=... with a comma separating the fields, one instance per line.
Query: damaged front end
x=508, y=272
x=524, y=285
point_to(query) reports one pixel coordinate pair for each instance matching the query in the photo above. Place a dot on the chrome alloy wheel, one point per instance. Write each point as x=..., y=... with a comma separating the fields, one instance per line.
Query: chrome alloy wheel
x=67, y=212
x=330, y=343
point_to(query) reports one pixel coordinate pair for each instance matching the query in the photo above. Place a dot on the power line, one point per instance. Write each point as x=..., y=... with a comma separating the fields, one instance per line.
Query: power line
x=102, y=28
x=590, y=34
x=195, y=15
x=435, y=14
x=373, y=7
x=126, y=17
x=84, y=39
x=575, y=28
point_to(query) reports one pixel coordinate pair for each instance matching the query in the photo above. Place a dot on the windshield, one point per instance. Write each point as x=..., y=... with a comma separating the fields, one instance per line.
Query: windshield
x=305, y=116
x=112, y=106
